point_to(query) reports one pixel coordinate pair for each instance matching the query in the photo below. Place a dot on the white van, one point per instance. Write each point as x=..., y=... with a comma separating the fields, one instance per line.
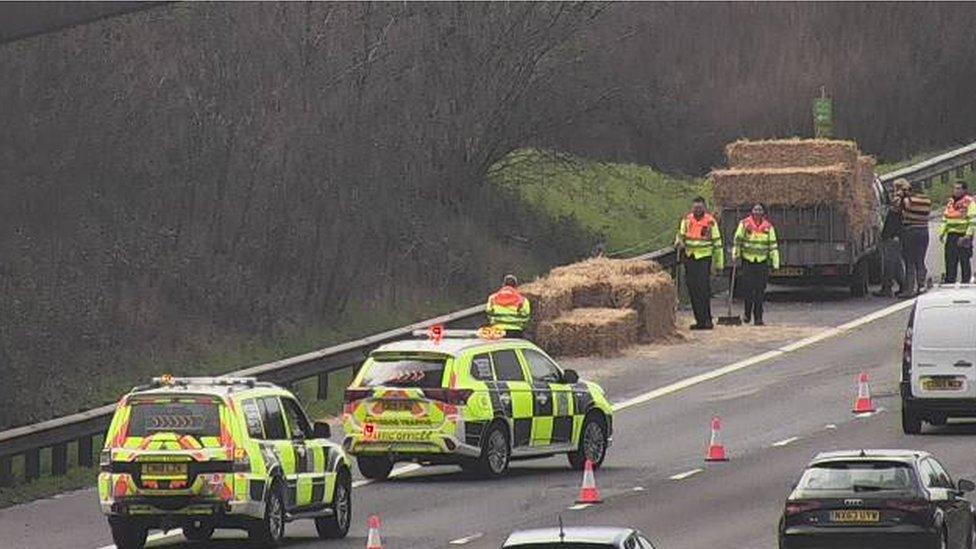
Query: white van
x=938, y=378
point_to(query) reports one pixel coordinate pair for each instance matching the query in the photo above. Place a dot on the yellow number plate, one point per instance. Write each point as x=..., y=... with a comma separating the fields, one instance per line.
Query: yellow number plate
x=788, y=271
x=941, y=384
x=855, y=515
x=164, y=469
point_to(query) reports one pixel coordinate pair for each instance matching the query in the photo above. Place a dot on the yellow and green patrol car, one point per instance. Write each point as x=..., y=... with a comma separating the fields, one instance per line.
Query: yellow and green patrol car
x=205, y=453
x=465, y=399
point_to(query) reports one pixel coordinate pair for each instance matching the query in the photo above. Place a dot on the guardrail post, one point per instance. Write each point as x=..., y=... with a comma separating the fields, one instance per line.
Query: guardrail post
x=6, y=471
x=85, y=451
x=945, y=177
x=972, y=166
x=32, y=464
x=59, y=459
x=323, y=391
x=960, y=171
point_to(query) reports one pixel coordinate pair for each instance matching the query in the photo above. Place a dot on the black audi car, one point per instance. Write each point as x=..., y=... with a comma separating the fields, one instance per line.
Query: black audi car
x=888, y=499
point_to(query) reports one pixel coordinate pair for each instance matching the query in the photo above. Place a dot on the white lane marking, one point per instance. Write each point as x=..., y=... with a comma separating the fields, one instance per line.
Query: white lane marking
x=579, y=506
x=638, y=488
x=786, y=441
x=466, y=539
x=830, y=426
x=763, y=357
x=686, y=474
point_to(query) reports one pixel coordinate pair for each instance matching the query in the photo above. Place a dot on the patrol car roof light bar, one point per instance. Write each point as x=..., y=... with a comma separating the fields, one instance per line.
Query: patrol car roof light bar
x=183, y=381
x=454, y=334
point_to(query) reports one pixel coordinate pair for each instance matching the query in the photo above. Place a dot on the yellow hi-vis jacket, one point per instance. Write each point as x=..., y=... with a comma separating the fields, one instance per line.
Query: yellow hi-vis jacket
x=701, y=238
x=756, y=242
x=508, y=309
x=958, y=217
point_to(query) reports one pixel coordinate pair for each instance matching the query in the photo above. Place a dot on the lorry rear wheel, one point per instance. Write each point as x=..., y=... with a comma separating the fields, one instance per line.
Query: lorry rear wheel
x=859, y=280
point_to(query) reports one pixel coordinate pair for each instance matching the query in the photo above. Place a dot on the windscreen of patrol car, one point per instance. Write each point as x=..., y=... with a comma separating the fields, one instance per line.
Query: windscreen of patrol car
x=405, y=371
x=197, y=418
x=858, y=476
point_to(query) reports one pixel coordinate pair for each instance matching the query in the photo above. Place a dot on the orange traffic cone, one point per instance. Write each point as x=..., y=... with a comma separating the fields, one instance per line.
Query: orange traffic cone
x=716, y=451
x=373, y=537
x=588, y=491
x=863, y=404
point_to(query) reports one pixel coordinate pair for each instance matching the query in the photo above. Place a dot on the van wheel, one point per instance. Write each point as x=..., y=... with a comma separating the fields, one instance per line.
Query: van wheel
x=911, y=423
x=270, y=529
x=496, y=451
x=198, y=531
x=592, y=444
x=375, y=467
x=337, y=525
x=127, y=535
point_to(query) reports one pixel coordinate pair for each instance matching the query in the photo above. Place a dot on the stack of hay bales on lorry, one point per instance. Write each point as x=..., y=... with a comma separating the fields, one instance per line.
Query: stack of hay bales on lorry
x=823, y=198
x=601, y=306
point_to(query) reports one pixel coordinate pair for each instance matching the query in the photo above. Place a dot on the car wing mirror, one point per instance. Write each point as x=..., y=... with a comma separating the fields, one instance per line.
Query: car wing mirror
x=570, y=376
x=321, y=429
x=965, y=485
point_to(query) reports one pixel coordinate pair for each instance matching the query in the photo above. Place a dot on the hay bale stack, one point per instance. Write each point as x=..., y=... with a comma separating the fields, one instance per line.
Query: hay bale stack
x=653, y=297
x=796, y=153
x=799, y=186
x=582, y=332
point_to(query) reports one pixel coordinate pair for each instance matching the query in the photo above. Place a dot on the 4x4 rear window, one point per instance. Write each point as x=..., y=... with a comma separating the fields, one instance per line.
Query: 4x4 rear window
x=405, y=372
x=858, y=476
x=201, y=419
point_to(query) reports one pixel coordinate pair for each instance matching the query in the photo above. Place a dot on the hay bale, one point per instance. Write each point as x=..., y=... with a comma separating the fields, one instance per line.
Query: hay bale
x=794, y=153
x=801, y=186
x=548, y=301
x=589, y=331
x=654, y=298
x=602, y=267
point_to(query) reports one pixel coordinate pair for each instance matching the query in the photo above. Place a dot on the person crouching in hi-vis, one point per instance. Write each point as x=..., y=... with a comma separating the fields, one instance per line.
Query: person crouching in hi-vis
x=755, y=244
x=699, y=245
x=508, y=309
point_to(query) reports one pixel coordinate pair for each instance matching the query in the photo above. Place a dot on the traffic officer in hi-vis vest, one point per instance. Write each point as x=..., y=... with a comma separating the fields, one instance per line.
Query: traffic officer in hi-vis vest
x=508, y=309
x=699, y=245
x=956, y=231
x=755, y=244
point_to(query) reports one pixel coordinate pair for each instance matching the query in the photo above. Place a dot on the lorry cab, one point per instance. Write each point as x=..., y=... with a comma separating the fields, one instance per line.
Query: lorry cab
x=939, y=359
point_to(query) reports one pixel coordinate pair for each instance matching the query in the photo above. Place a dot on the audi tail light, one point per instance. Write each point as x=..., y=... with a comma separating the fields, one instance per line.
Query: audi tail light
x=797, y=507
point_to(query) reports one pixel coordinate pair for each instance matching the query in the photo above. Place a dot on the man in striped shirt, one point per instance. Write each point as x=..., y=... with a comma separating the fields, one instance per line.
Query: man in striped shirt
x=915, y=210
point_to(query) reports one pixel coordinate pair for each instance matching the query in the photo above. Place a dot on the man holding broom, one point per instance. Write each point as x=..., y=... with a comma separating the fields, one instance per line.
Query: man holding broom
x=755, y=243
x=699, y=245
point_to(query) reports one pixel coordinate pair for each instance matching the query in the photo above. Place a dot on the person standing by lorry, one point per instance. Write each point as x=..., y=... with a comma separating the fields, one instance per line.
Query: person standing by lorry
x=699, y=245
x=755, y=243
x=915, y=209
x=956, y=231
x=892, y=265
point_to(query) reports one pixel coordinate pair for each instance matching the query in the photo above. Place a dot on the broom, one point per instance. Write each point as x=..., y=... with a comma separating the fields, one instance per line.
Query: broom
x=730, y=319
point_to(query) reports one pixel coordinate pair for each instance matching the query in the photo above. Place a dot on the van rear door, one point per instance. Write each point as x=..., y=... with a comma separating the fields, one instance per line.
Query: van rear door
x=944, y=351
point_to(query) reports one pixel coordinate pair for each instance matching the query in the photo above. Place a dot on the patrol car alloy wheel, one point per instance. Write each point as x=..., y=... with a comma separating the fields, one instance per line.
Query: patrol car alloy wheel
x=337, y=525
x=270, y=530
x=593, y=443
x=127, y=535
x=495, y=453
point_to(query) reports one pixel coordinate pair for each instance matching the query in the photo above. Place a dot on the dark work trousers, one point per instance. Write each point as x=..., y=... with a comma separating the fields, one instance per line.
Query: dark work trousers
x=892, y=268
x=914, y=245
x=698, y=273
x=753, y=280
x=957, y=258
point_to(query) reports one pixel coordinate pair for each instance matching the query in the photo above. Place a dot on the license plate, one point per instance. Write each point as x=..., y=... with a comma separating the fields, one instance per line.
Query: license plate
x=855, y=515
x=788, y=271
x=164, y=469
x=398, y=405
x=941, y=384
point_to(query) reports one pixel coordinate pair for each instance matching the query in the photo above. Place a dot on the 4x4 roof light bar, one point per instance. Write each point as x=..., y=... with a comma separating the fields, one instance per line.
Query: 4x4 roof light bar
x=438, y=333
x=167, y=379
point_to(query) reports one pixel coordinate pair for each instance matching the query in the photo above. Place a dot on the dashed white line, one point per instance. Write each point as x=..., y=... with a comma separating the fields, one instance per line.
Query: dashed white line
x=830, y=426
x=785, y=441
x=579, y=506
x=764, y=357
x=686, y=474
x=466, y=539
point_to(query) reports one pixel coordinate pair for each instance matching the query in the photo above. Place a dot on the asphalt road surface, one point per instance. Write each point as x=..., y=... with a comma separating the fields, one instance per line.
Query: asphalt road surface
x=784, y=392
